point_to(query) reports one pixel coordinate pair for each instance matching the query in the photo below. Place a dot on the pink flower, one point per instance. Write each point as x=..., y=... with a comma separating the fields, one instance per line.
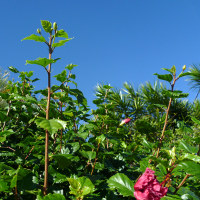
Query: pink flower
x=148, y=188
x=125, y=121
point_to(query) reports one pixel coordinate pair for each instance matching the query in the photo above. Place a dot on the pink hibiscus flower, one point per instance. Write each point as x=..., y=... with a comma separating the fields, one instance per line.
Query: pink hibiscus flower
x=148, y=188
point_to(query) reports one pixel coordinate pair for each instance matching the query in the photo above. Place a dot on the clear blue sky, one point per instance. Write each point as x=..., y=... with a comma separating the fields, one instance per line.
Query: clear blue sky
x=114, y=40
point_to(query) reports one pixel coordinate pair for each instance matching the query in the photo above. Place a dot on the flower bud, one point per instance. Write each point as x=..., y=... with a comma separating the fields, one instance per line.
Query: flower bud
x=184, y=67
x=125, y=121
x=39, y=31
x=55, y=26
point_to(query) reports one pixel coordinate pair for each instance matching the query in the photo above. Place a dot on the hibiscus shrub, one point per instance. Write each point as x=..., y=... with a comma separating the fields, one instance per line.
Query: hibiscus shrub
x=136, y=144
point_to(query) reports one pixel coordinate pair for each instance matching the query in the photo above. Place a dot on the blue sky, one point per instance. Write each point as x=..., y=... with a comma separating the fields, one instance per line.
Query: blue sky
x=115, y=41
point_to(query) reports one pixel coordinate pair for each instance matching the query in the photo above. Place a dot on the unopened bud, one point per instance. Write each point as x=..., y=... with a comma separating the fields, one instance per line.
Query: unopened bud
x=39, y=31
x=125, y=121
x=184, y=67
x=55, y=26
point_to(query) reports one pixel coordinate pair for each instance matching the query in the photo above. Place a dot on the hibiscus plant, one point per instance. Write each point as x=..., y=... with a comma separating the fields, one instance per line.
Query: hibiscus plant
x=139, y=143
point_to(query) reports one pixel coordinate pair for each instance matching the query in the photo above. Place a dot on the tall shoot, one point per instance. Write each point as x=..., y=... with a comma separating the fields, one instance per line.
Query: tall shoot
x=46, y=63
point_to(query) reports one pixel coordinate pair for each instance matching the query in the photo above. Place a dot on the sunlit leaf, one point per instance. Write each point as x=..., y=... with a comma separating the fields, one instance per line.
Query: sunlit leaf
x=13, y=69
x=52, y=125
x=70, y=66
x=88, y=154
x=46, y=26
x=35, y=38
x=61, y=33
x=187, y=147
x=61, y=43
x=166, y=77
x=42, y=61
x=185, y=74
x=122, y=184
x=80, y=187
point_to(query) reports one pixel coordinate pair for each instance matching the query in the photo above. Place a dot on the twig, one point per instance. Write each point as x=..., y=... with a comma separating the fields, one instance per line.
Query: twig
x=96, y=158
x=29, y=152
x=182, y=182
x=8, y=148
x=167, y=113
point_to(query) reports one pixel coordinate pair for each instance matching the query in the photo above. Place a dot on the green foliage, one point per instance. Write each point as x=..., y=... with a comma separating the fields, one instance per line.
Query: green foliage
x=80, y=187
x=46, y=25
x=166, y=77
x=42, y=61
x=60, y=43
x=35, y=38
x=90, y=155
x=122, y=183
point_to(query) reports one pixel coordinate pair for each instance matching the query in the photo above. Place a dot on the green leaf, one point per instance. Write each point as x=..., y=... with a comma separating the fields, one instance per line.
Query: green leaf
x=70, y=114
x=164, y=107
x=61, y=43
x=65, y=160
x=70, y=66
x=2, y=139
x=4, y=134
x=166, y=77
x=57, y=176
x=35, y=38
x=122, y=183
x=79, y=95
x=36, y=79
x=147, y=144
x=169, y=70
x=195, y=120
x=184, y=74
x=62, y=76
x=88, y=154
x=46, y=25
x=54, y=196
x=175, y=94
x=190, y=157
x=186, y=191
x=3, y=186
x=172, y=70
x=20, y=176
x=13, y=69
x=3, y=116
x=42, y=61
x=188, y=148
x=171, y=197
x=13, y=182
x=189, y=167
x=61, y=33
x=52, y=125
x=100, y=139
x=80, y=187
x=172, y=153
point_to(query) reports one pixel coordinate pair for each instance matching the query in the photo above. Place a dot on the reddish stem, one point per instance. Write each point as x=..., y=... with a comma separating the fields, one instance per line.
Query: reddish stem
x=95, y=159
x=182, y=182
x=47, y=117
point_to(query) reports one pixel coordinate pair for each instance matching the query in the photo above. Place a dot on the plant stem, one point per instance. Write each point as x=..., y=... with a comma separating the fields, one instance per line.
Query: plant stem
x=198, y=153
x=29, y=152
x=166, y=118
x=95, y=159
x=47, y=117
x=61, y=129
x=182, y=182
x=164, y=128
